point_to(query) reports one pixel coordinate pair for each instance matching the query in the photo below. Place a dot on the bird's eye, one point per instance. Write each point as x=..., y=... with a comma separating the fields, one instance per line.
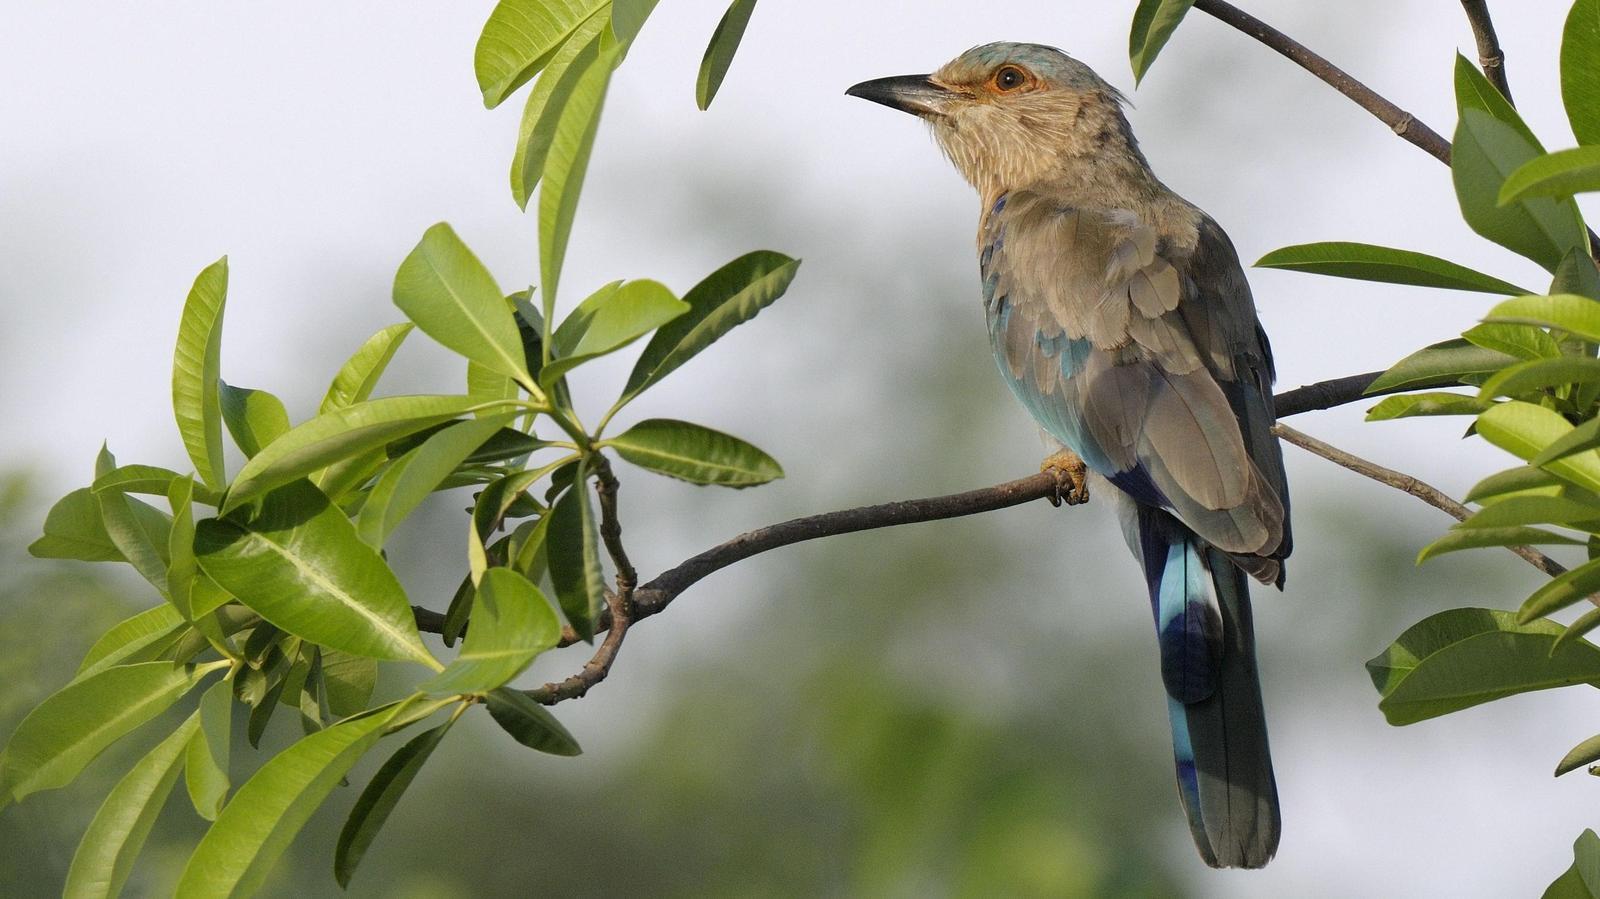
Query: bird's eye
x=1010, y=78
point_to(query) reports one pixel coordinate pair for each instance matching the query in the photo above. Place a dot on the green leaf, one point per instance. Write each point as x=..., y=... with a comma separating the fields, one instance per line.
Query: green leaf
x=359, y=375
x=1559, y=174
x=205, y=769
x=575, y=557
x=1485, y=152
x=338, y=435
x=1561, y=591
x=1413, y=404
x=413, y=476
x=141, y=533
x=106, y=854
x=182, y=569
x=73, y=530
x=1533, y=509
x=1475, y=91
x=451, y=296
x=1154, y=21
x=1582, y=880
x=255, y=418
x=720, y=51
x=519, y=39
x=196, y=372
x=1526, y=430
x=547, y=101
x=349, y=681
x=73, y=725
x=1440, y=362
x=299, y=564
x=1578, y=316
x=1366, y=262
x=609, y=320
x=511, y=623
x=237, y=853
x=699, y=455
x=565, y=165
x=628, y=16
x=1582, y=754
x=1583, y=438
x=1580, y=78
x=150, y=480
x=1540, y=374
x=1463, y=657
x=1458, y=539
x=530, y=723
x=379, y=799
x=1513, y=481
x=1521, y=341
x=727, y=298
x=149, y=631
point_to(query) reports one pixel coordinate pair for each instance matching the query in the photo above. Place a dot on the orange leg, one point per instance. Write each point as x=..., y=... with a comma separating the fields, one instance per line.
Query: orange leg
x=1072, y=477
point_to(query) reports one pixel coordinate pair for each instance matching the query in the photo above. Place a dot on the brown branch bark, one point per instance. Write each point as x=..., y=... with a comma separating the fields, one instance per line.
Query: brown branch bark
x=1490, y=56
x=1408, y=484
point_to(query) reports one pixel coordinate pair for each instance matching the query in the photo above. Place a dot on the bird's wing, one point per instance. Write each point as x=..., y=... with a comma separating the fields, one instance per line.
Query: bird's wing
x=1139, y=353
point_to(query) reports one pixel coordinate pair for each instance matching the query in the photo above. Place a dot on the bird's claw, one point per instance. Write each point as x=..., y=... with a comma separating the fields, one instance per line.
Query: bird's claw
x=1072, y=478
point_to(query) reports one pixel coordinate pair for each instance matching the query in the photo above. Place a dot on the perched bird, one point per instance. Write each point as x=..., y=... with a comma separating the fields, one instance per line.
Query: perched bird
x=1120, y=317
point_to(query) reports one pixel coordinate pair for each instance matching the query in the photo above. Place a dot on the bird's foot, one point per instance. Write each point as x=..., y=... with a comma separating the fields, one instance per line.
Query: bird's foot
x=1072, y=477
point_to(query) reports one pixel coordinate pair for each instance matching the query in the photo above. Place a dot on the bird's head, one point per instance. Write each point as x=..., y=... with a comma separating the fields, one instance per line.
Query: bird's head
x=1009, y=115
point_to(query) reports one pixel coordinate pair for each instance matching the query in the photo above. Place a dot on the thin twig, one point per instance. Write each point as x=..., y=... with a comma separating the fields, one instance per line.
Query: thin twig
x=1490, y=56
x=1401, y=122
x=1408, y=484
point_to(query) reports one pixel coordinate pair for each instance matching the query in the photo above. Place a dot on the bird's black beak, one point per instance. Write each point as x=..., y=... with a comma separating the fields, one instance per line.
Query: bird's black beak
x=916, y=94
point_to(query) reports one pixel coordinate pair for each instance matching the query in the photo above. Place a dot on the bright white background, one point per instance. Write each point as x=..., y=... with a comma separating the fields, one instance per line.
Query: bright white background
x=314, y=142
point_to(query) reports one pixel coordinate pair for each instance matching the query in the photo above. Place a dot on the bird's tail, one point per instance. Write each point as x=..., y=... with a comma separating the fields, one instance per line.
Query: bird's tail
x=1201, y=602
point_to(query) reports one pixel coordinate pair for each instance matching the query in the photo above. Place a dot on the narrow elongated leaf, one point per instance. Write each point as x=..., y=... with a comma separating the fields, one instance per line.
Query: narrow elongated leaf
x=418, y=473
x=182, y=569
x=511, y=623
x=1154, y=21
x=1513, y=481
x=1578, y=316
x=565, y=166
x=1475, y=91
x=519, y=39
x=73, y=725
x=205, y=768
x=1366, y=262
x=1526, y=430
x=1583, y=438
x=1561, y=591
x=1520, y=341
x=73, y=529
x=575, y=557
x=341, y=434
x=699, y=455
x=610, y=320
x=1463, y=657
x=1486, y=151
x=727, y=298
x=530, y=723
x=451, y=296
x=106, y=854
x=359, y=375
x=720, y=51
x=1580, y=78
x=141, y=535
x=1559, y=174
x=1476, y=538
x=1430, y=365
x=150, y=630
x=547, y=101
x=349, y=681
x=1541, y=374
x=1582, y=754
x=299, y=564
x=1410, y=405
x=628, y=16
x=379, y=799
x=255, y=418
x=151, y=480
x=1519, y=511
x=196, y=373
x=237, y=853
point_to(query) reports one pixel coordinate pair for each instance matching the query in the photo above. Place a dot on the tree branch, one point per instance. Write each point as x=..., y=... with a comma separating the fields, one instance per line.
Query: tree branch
x=1408, y=484
x=1401, y=122
x=1490, y=56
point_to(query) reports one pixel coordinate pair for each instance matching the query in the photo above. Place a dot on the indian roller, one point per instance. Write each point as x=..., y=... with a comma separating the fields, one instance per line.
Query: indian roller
x=1119, y=315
